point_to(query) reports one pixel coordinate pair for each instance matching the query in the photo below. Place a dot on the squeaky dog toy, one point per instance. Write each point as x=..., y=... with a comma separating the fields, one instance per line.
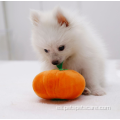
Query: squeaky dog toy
x=59, y=84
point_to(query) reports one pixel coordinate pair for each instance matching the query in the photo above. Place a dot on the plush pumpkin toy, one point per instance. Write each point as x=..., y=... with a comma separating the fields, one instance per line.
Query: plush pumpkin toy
x=59, y=84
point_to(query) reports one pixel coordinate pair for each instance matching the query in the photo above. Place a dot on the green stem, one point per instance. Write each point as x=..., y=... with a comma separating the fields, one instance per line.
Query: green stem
x=60, y=66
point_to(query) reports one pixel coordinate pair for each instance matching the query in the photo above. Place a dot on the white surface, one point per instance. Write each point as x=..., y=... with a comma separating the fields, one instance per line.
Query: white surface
x=2, y=22
x=105, y=18
x=48, y=5
x=18, y=99
x=18, y=21
x=3, y=37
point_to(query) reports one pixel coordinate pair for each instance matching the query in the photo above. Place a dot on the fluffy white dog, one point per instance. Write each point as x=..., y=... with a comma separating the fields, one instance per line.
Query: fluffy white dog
x=60, y=35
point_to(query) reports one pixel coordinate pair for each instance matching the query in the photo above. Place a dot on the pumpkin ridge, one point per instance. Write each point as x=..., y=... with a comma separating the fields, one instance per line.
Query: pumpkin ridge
x=65, y=74
x=60, y=78
x=44, y=85
x=72, y=90
x=58, y=81
x=55, y=85
x=75, y=86
x=63, y=77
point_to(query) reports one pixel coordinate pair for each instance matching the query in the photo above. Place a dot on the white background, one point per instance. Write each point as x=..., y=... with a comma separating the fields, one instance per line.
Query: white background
x=15, y=27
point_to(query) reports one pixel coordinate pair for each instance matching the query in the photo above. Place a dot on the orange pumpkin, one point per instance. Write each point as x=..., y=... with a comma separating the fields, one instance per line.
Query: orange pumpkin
x=59, y=84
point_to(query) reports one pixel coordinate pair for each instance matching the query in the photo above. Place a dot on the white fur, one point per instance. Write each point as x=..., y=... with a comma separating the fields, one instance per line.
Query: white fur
x=84, y=49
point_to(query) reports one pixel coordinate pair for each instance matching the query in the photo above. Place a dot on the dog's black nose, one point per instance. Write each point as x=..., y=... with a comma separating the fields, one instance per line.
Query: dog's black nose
x=55, y=62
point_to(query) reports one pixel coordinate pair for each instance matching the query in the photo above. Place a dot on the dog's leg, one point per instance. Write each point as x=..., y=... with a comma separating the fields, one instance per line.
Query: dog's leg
x=93, y=77
x=86, y=91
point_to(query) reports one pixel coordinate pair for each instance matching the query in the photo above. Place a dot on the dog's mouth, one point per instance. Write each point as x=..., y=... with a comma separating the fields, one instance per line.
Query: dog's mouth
x=55, y=62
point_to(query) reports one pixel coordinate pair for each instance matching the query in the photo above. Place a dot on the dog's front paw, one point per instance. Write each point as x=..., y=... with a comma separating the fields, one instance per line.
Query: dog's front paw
x=98, y=92
x=86, y=91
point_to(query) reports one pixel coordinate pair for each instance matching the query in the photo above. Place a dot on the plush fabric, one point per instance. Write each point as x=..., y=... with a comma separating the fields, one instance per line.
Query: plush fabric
x=59, y=84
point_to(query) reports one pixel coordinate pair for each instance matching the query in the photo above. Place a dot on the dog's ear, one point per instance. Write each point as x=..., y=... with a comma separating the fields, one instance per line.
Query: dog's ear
x=61, y=18
x=35, y=17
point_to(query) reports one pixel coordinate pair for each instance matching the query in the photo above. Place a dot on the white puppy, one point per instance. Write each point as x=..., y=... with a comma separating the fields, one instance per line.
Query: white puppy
x=59, y=36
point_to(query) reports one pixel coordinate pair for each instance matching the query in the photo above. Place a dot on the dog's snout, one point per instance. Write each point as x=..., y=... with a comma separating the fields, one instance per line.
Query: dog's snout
x=55, y=62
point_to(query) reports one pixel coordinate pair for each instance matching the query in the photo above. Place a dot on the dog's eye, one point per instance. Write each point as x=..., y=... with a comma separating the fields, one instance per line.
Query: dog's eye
x=46, y=50
x=61, y=48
